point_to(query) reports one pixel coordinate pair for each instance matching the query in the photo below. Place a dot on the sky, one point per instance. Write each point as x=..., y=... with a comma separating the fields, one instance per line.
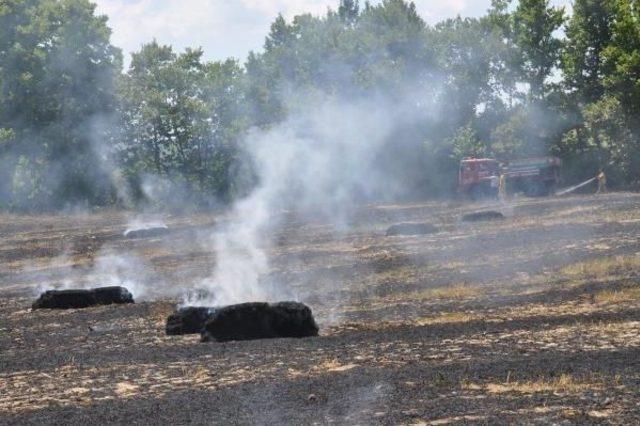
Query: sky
x=233, y=28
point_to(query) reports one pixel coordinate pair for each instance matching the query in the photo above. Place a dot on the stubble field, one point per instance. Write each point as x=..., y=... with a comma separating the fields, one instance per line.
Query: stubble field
x=533, y=319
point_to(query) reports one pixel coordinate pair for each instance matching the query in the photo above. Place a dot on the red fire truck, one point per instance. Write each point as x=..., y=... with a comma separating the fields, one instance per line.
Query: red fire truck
x=479, y=177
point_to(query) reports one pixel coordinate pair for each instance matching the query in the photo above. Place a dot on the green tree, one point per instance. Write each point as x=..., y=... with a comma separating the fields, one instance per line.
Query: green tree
x=181, y=117
x=534, y=25
x=521, y=134
x=509, y=139
x=349, y=10
x=622, y=60
x=588, y=33
x=465, y=143
x=463, y=51
x=504, y=54
x=610, y=140
x=280, y=34
x=58, y=70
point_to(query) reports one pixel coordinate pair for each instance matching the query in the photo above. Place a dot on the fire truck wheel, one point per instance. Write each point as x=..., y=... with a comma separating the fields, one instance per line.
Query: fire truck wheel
x=477, y=193
x=536, y=189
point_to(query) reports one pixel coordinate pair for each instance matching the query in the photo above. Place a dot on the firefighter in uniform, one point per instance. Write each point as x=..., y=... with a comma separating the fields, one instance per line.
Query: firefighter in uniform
x=494, y=181
x=502, y=187
x=602, y=182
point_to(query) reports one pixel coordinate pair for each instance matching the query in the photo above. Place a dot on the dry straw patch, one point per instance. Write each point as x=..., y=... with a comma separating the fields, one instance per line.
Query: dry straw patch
x=617, y=296
x=334, y=366
x=456, y=292
x=447, y=318
x=563, y=384
x=459, y=291
x=602, y=267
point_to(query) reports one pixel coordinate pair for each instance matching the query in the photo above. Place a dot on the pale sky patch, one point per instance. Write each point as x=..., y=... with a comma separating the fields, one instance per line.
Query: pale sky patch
x=232, y=28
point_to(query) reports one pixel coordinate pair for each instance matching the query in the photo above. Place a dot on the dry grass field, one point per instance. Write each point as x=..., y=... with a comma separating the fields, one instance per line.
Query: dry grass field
x=533, y=319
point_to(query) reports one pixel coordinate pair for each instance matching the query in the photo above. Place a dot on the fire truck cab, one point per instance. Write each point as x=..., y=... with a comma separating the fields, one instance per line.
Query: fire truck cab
x=479, y=177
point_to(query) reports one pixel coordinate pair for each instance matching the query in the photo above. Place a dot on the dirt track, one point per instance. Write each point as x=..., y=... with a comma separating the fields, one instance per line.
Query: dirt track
x=530, y=319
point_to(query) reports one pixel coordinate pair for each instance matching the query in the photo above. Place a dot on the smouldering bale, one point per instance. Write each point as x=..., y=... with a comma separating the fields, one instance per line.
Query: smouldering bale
x=249, y=321
x=77, y=299
x=146, y=233
x=112, y=295
x=189, y=320
x=411, y=229
x=64, y=299
x=480, y=216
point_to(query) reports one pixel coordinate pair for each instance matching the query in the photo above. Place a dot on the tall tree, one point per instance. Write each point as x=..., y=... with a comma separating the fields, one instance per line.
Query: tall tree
x=394, y=50
x=279, y=34
x=504, y=54
x=180, y=117
x=622, y=59
x=349, y=10
x=58, y=71
x=463, y=49
x=534, y=25
x=588, y=33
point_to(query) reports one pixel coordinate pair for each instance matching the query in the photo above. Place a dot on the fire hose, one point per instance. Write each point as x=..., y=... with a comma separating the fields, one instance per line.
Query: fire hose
x=574, y=188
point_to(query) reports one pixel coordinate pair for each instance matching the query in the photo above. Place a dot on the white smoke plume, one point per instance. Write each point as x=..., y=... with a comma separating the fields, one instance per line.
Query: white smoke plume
x=110, y=268
x=144, y=222
x=321, y=162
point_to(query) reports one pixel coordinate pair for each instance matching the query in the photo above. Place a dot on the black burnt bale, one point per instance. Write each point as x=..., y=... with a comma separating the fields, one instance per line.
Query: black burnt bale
x=189, y=320
x=64, y=299
x=249, y=321
x=293, y=319
x=480, y=216
x=147, y=233
x=411, y=229
x=112, y=295
x=78, y=299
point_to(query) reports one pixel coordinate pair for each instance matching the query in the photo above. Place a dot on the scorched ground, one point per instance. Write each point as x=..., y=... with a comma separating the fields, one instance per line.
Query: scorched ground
x=534, y=318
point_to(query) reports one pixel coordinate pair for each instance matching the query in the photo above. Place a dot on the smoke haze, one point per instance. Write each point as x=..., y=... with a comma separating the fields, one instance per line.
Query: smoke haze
x=319, y=164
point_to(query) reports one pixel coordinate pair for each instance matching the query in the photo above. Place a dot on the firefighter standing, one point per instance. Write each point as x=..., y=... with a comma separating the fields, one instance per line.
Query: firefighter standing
x=502, y=187
x=602, y=182
x=494, y=181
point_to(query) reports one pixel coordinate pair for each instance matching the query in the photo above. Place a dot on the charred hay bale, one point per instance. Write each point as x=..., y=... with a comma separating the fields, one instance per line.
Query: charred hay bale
x=77, y=299
x=411, y=229
x=249, y=321
x=64, y=299
x=146, y=233
x=481, y=216
x=189, y=320
x=112, y=295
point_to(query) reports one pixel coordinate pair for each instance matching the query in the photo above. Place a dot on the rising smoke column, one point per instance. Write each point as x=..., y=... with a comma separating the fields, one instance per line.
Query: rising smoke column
x=319, y=161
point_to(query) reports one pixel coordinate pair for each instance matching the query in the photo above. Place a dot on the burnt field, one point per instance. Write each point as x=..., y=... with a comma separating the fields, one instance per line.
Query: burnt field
x=533, y=318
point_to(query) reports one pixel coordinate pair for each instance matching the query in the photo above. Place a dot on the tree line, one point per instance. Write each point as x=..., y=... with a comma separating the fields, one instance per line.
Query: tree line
x=524, y=79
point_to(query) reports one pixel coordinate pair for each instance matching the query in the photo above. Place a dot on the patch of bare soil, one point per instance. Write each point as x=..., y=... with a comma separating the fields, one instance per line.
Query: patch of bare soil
x=532, y=319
